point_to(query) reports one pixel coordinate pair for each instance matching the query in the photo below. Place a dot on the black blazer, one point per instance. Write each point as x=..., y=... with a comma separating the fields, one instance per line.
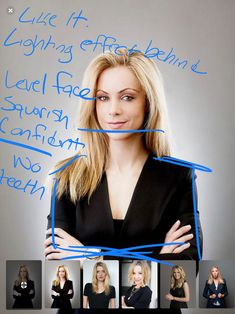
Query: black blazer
x=63, y=300
x=211, y=289
x=140, y=299
x=24, y=300
x=163, y=194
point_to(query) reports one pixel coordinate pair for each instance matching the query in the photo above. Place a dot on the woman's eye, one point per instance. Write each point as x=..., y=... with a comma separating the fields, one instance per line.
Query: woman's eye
x=102, y=98
x=127, y=98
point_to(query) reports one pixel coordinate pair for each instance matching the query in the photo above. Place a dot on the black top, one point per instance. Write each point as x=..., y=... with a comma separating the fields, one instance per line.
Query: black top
x=98, y=300
x=138, y=298
x=179, y=293
x=211, y=289
x=63, y=300
x=163, y=194
x=27, y=293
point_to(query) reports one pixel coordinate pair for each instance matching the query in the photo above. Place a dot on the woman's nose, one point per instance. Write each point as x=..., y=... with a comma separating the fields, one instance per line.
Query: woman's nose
x=115, y=107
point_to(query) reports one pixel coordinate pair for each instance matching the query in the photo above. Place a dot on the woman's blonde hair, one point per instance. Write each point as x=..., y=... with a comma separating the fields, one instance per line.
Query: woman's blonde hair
x=145, y=271
x=211, y=279
x=95, y=281
x=81, y=177
x=56, y=282
x=19, y=279
x=177, y=283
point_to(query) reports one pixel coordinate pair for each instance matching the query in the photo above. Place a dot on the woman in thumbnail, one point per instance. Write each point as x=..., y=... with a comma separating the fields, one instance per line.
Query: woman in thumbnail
x=99, y=294
x=215, y=289
x=119, y=195
x=23, y=290
x=138, y=296
x=62, y=289
x=179, y=293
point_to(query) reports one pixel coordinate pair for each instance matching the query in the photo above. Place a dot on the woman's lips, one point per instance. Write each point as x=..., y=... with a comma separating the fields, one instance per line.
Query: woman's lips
x=116, y=125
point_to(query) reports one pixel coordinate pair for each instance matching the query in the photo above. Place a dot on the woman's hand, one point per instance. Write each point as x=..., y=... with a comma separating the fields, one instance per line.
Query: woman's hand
x=56, y=294
x=212, y=296
x=177, y=234
x=169, y=297
x=63, y=240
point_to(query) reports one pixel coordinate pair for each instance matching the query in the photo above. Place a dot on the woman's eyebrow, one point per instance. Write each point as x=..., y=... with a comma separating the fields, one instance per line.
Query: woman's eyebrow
x=121, y=91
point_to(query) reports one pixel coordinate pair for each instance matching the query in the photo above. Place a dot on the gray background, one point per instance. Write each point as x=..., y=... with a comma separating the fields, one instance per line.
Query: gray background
x=113, y=268
x=74, y=275
x=227, y=270
x=165, y=279
x=35, y=274
x=201, y=108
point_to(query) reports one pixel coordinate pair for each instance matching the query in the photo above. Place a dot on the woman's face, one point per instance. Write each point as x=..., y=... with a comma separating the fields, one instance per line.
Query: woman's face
x=177, y=274
x=214, y=273
x=120, y=103
x=23, y=272
x=138, y=276
x=100, y=273
x=61, y=272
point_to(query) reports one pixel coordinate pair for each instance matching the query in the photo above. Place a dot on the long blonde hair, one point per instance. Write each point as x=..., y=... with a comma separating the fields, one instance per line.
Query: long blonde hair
x=177, y=283
x=56, y=282
x=145, y=271
x=211, y=279
x=19, y=279
x=106, y=281
x=81, y=177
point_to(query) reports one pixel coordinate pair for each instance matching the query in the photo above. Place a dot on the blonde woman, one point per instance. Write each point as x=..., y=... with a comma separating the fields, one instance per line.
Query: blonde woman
x=62, y=289
x=23, y=290
x=215, y=289
x=99, y=294
x=119, y=195
x=138, y=296
x=179, y=293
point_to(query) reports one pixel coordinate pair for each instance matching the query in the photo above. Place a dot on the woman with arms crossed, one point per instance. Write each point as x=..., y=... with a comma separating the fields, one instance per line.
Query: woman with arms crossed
x=62, y=289
x=179, y=293
x=138, y=296
x=119, y=195
x=215, y=289
x=99, y=294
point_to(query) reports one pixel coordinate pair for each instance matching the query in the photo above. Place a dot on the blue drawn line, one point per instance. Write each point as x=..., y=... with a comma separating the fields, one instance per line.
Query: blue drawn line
x=26, y=146
x=194, y=167
x=67, y=164
x=53, y=214
x=121, y=131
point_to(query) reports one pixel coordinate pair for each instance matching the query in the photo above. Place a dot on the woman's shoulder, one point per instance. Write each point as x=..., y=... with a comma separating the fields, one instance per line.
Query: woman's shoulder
x=146, y=288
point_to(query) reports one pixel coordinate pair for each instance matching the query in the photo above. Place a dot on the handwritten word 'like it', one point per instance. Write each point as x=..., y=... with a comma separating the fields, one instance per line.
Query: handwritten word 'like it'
x=60, y=85
x=39, y=135
x=23, y=111
x=31, y=187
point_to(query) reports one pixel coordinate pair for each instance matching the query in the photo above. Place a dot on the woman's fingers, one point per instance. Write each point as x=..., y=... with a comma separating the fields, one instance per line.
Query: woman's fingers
x=181, y=248
x=178, y=233
x=50, y=249
x=57, y=241
x=174, y=227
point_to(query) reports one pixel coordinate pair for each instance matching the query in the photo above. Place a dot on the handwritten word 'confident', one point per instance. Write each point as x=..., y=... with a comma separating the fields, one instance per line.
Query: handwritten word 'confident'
x=41, y=85
x=39, y=134
x=110, y=43
x=30, y=186
x=23, y=111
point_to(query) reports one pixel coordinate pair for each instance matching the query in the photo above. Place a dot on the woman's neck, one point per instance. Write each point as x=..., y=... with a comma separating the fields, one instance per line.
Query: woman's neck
x=126, y=156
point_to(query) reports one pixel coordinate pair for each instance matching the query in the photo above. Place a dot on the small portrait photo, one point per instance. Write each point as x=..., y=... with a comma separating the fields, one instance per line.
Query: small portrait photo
x=139, y=284
x=23, y=285
x=216, y=284
x=177, y=285
x=62, y=285
x=101, y=284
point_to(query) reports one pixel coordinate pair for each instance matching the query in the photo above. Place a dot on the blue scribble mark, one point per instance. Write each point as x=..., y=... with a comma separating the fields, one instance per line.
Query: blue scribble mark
x=194, y=167
x=67, y=164
x=26, y=147
x=120, y=131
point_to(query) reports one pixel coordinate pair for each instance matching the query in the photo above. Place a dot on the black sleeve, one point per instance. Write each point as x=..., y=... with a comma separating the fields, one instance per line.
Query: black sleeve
x=225, y=290
x=181, y=207
x=144, y=300
x=31, y=287
x=54, y=296
x=64, y=214
x=15, y=289
x=112, y=292
x=67, y=295
x=87, y=289
x=206, y=291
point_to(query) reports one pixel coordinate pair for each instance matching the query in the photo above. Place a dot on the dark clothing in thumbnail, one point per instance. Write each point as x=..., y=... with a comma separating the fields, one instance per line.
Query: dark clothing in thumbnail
x=178, y=293
x=212, y=289
x=138, y=298
x=98, y=300
x=162, y=195
x=26, y=293
x=62, y=301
